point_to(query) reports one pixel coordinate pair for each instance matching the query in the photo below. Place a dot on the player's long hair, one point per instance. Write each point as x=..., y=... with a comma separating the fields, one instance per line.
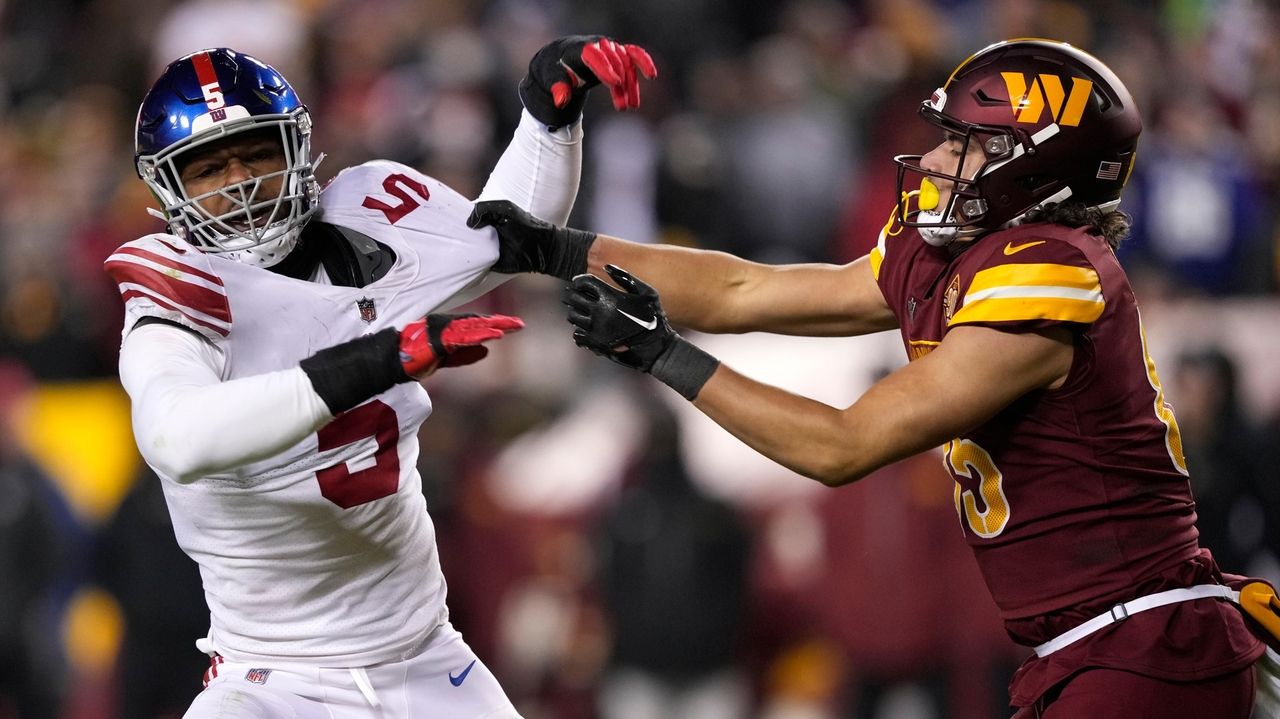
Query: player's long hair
x=1114, y=225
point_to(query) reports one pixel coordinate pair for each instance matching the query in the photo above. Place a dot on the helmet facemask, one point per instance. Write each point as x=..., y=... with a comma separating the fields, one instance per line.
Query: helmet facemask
x=967, y=207
x=258, y=229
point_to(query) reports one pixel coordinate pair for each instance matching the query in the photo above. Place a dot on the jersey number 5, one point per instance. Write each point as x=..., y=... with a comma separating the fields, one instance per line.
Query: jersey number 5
x=348, y=487
x=398, y=186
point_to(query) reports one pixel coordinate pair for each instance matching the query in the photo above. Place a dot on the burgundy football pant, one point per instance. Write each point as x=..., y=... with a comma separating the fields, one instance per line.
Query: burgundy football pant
x=1115, y=694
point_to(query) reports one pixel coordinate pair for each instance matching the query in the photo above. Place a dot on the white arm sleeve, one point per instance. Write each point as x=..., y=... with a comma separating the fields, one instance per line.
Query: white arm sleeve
x=189, y=423
x=540, y=170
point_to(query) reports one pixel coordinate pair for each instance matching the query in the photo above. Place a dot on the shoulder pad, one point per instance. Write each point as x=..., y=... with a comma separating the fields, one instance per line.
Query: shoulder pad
x=1029, y=278
x=388, y=193
x=353, y=184
x=162, y=276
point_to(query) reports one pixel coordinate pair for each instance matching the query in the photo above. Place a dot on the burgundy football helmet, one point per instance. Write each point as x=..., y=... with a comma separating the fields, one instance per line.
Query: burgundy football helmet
x=1054, y=122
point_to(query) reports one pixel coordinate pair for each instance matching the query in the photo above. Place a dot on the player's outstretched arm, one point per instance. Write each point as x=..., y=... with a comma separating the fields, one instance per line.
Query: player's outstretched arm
x=190, y=423
x=973, y=374
x=702, y=290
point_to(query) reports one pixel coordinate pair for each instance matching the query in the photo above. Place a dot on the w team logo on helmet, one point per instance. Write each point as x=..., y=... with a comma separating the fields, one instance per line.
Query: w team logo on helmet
x=1029, y=100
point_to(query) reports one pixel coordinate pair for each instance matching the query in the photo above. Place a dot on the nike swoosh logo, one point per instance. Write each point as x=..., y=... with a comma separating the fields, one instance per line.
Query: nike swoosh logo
x=462, y=677
x=652, y=323
x=1011, y=248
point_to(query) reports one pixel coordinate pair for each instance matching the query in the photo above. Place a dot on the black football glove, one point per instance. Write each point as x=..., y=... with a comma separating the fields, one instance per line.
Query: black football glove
x=565, y=69
x=629, y=327
x=528, y=244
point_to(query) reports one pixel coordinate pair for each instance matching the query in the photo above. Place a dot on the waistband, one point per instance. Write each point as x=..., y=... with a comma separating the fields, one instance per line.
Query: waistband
x=1123, y=611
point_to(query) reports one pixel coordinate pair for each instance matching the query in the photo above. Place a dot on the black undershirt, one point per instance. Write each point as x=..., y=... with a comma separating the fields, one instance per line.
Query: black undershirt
x=350, y=258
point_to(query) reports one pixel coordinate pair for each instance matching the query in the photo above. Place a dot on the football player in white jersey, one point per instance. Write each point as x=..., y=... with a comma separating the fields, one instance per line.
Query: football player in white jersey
x=271, y=340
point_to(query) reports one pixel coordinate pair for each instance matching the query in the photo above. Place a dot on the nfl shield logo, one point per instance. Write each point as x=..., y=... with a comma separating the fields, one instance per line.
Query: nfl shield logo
x=368, y=312
x=257, y=676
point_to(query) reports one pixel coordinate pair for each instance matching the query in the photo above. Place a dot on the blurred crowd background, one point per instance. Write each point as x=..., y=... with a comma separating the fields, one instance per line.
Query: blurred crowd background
x=609, y=552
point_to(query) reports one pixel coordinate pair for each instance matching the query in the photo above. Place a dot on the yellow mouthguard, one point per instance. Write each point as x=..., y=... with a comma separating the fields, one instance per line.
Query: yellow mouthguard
x=928, y=198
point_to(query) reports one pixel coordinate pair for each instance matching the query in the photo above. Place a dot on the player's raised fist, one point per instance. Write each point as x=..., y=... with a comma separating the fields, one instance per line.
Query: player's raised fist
x=565, y=69
x=440, y=340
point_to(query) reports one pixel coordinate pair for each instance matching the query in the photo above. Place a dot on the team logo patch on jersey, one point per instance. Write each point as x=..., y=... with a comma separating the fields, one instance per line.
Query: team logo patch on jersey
x=950, y=299
x=257, y=676
x=368, y=312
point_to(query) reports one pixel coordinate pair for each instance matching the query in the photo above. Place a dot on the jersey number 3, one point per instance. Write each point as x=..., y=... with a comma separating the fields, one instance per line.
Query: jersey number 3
x=977, y=480
x=347, y=487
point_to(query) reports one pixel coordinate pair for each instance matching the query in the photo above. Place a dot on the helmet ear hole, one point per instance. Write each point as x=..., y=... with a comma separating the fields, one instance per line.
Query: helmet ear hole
x=997, y=145
x=1034, y=183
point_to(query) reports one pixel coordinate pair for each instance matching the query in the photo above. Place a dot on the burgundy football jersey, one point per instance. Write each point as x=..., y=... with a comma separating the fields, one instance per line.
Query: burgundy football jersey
x=1075, y=498
x=1068, y=494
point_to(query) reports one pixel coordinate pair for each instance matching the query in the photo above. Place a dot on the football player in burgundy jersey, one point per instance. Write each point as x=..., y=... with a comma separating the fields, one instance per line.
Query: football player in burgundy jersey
x=271, y=340
x=1028, y=365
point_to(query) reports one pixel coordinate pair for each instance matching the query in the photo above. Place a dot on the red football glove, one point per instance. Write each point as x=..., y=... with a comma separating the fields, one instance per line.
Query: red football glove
x=565, y=69
x=437, y=341
x=615, y=65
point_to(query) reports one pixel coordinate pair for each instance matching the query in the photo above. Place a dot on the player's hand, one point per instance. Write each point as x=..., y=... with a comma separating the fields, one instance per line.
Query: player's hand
x=439, y=340
x=565, y=69
x=528, y=244
x=628, y=326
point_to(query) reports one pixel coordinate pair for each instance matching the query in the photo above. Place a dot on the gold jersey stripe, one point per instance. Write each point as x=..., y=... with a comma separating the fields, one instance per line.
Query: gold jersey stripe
x=1032, y=291
x=919, y=348
x=1032, y=274
x=1013, y=309
x=878, y=252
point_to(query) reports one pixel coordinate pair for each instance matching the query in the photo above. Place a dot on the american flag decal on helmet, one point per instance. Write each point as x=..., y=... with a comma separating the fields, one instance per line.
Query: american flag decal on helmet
x=1109, y=170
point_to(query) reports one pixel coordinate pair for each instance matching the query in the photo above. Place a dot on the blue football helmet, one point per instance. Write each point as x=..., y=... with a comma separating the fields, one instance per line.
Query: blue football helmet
x=205, y=97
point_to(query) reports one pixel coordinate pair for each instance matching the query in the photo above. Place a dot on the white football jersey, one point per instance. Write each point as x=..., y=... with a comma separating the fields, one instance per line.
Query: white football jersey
x=323, y=553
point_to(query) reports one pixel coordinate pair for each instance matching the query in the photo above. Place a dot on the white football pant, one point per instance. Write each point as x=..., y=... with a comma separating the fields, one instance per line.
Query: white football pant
x=445, y=680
